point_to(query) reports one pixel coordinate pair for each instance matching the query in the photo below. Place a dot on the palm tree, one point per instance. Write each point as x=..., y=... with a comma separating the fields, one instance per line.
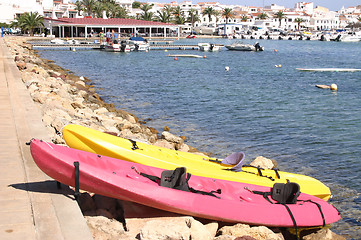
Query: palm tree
x=299, y=21
x=209, y=11
x=30, y=21
x=98, y=9
x=227, y=13
x=121, y=12
x=163, y=16
x=179, y=17
x=280, y=15
x=136, y=4
x=146, y=15
x=88, y=6
x=78, y=6
x=217, y=14
x=193, y=17
x=262, y=16
x=244, y=18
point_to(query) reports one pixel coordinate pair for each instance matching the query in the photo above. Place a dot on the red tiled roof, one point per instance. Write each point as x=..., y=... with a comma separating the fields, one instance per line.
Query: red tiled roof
x=110, y=21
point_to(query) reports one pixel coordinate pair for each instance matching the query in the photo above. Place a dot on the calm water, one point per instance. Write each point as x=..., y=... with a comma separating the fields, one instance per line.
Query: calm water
x=255, y=107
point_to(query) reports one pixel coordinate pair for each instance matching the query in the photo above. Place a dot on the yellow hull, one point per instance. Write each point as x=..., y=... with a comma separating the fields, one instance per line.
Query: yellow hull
x=90, y=140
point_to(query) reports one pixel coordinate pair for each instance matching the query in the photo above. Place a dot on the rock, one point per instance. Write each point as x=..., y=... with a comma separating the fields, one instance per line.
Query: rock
x=323, y=234
x=198, y=230
x=164, y=230
x=164, y=143
x=78, y=103
x=245, y=238
x=224, y=237
x=101, y=110
x=21, y=65
x=104, y=228
x=259, y=233
x=171, y=137
x=263, y=162
x=212, y=228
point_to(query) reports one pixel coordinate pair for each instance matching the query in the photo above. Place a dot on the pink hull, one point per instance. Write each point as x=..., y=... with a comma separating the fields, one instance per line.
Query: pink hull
x=116, y=178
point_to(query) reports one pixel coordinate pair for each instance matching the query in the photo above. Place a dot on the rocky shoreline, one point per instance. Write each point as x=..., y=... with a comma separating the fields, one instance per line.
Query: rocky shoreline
x=65, y=98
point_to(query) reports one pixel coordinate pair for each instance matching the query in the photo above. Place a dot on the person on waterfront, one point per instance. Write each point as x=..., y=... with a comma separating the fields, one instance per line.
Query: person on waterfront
x=101, y=34
x=108, y=36
x=116, y=37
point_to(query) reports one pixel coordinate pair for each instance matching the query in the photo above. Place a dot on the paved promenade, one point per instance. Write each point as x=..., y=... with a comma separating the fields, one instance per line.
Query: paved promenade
x=31, y=206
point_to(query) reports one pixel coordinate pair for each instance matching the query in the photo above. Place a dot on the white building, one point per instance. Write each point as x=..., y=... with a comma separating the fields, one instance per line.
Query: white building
x=10, y=9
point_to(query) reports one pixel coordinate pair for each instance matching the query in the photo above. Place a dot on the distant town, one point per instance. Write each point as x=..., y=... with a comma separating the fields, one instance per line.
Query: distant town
x=198, y=18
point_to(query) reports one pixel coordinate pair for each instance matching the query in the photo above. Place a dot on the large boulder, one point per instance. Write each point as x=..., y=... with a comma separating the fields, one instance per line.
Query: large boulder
x=165, y=230
x=259, y=233
x=263, y=162
x=104, y=228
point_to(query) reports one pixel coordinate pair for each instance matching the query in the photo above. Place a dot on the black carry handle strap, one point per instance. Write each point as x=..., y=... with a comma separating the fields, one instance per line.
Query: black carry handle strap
x=319, y=208
x=211, y=193
x=259, y=169
x=277, y=174
x=76, y=184
x=135, y=146
x=293, y=219
x=214, y=160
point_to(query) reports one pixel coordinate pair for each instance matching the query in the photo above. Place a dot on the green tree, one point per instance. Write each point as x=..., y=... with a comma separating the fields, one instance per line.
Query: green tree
x=209, y=11
x=299, y=21
x=179, y=17
x=244, y=18
x=136, y=4
x=280, y=15
x=262, y=16
x=227, y=13
x=79, y=6
x=163, y=16
x=121, y=12
x=98, y=9
x=29, y=21
x=88, y=6
x=147, y=14
x=193, y=17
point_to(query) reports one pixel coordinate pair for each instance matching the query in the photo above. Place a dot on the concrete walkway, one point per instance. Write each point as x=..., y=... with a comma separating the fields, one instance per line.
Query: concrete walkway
x=31, y=206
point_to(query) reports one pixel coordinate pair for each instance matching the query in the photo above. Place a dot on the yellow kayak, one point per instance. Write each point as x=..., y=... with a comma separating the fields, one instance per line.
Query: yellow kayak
x=91, y=140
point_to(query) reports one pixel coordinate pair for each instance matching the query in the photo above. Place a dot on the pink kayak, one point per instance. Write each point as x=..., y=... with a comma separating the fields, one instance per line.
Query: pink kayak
x=235, y=202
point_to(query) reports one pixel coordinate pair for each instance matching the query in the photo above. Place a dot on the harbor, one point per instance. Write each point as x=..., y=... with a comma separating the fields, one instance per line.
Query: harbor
x=260, y=120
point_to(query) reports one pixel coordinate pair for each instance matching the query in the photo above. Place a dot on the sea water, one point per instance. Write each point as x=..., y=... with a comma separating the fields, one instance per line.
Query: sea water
x=262, y=106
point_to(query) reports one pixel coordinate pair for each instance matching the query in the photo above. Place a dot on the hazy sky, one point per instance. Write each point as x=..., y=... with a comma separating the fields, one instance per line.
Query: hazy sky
x=333, y=5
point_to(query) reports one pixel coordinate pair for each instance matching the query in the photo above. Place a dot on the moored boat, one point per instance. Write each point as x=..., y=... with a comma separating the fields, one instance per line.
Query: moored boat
x=208, y=47
x=239, y=46
x=203, y=197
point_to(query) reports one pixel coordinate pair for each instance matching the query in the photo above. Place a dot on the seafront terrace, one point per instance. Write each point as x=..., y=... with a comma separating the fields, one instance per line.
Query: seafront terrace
x=32, y=207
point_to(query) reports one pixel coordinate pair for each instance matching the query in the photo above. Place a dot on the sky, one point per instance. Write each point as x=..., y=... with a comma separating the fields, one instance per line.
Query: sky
x=333, y=5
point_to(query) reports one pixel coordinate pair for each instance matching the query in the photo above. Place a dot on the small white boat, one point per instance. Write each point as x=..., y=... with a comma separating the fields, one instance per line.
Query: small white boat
x=73, y=41
x=208, y=47
x=138, y=44
x=58, y=41
x=114, y=47
x=349, y=37
x=239, y=46
x=186, y=55
x=329, y=69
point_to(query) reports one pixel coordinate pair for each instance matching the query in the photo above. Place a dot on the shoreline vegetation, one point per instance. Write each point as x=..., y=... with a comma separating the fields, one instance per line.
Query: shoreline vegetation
x=65, y=98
